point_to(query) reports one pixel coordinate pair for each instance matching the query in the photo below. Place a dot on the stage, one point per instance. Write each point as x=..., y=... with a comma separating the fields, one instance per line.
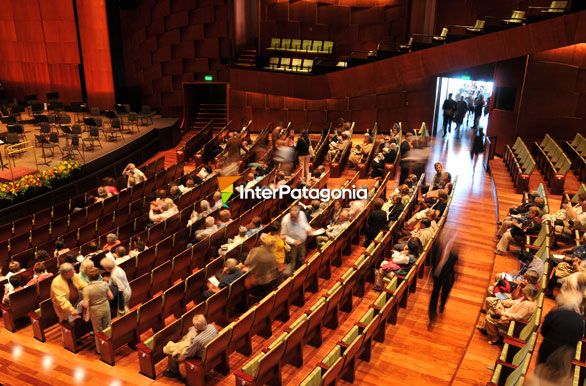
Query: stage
x=32, y=159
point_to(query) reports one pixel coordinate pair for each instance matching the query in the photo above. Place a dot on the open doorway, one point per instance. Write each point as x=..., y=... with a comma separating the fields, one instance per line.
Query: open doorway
x=475, y=93
x=209, y=99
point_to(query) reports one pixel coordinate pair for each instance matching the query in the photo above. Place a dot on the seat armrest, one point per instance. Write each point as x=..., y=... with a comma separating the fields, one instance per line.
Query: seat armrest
x=243, y=375
x=142, y=347
x=101, y=336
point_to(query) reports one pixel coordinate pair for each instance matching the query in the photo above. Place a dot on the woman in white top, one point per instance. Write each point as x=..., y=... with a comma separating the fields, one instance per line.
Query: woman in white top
x=118, y=277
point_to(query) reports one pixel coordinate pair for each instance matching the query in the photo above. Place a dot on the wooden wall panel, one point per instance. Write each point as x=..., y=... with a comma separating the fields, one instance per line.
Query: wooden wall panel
x=177, y=40
x=38, y=48
x=351, y=25
x=95, y=47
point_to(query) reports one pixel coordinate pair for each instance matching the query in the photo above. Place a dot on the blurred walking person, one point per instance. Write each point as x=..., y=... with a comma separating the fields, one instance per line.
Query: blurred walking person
x=477, y=145
x=444, y=274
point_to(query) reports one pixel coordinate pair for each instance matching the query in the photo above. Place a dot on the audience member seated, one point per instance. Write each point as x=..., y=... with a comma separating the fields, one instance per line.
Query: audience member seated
x=13, y=269
x=39, y=274
x=41, y=256
x=500, y=315
x=233, y=242
x=337, y=144
x=333, y=230
x=396, y=133
x=111, y=242
x=217, y=201
x=60, y=249
x=188, y=187
x=190, y=346
x=225, y=218
x=161, y=213
x=575, y=220
x=565, y=273
x=377, y=220
x=205, y=209
x=519, y=218
x=139, y=246
x=66, y=293
x=174, y=193
x=102, y=194
x=92, y=251
x=361, y=151
x=263, y=274
x=96, y=297
x=386, y=156
x=133, y=175
x=15, y=284
x=507, y=286
x=110, y=185
x=394, y=207
x=210, y=228
x=119, y=254
x=254, y=226
x=530, y=226
x=229, y=274
x=118, y=278
x=398, y=263
x=313, y=210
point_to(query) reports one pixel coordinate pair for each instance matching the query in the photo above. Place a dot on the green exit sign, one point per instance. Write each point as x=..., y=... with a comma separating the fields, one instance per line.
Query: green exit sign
x=465, y=77
x=208, y=78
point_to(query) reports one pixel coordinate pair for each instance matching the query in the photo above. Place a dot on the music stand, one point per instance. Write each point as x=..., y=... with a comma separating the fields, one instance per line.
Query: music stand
x=42, y=140
x=66, y=130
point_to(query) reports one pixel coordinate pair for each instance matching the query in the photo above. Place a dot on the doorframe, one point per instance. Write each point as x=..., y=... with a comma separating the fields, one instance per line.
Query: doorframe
x=191, y=100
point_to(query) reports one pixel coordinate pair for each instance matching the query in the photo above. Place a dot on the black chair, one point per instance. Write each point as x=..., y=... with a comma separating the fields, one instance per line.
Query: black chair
x=115, y=130
x=93, y=139
x=72, y=148
x=146, y=115
x=46, y=144
x=11, y=119
x=37, y=108
x=41, y=118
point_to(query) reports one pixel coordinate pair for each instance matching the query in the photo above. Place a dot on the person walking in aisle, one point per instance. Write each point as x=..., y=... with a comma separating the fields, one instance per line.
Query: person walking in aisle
x=444, y=275
x=477, y=145
x=461, y=109
x=304, y=152
x=449, y=108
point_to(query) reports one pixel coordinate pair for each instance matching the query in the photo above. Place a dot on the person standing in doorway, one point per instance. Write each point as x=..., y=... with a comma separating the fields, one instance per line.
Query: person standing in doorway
x=444, y=275
x=461, y=109
x=449, y=108
x=478, y=109
x=477, y=145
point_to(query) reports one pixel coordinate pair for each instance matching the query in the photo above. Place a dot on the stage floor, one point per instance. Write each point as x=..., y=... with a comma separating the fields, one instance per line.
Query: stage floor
x=32, y=159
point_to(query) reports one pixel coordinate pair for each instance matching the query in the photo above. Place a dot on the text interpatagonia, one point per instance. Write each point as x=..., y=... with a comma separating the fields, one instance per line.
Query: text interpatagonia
x=265, y=193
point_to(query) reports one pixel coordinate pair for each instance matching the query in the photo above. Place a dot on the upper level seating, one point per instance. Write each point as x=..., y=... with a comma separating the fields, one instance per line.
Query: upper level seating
x=301, y=46
x=289, y=64
x=520, y=164
x=576, y=151
x=553, y=163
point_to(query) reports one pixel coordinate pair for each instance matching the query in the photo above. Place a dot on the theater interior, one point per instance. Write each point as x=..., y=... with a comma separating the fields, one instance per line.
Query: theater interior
x=130, y=130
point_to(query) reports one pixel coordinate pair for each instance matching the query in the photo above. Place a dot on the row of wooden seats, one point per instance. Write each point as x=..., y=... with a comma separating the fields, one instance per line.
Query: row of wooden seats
x=392, y=167
x=123, y=222
x=520, y=164
x=290, y=64
x=553, y=163
x=576, y=151
x=297, y=45
x=340, y=362
x=195, y=142
x=43, y=217
x=520, y=337
x=265, y=368
x=86, y=216
x=541, y=193
x=255, y=321
x=338, y=162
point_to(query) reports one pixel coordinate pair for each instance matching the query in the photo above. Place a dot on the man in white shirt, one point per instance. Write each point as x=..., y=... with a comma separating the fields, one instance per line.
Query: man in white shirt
x=119, y=255
x=295, y=228
x=118, y=277
x=217, y=201
x=210, y=228
x=335, y=229
x=135, y=176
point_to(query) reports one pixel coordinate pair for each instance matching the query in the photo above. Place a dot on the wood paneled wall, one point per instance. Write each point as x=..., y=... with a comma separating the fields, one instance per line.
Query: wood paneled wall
x=350, y=24
x=168, y=42
x=554, y=94
x=38, y=48
x=95, y=46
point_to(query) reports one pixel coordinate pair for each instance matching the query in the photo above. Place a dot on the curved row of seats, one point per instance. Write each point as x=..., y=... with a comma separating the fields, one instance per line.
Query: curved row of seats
x=576, y=151
x=553, y=163
x=520, y=163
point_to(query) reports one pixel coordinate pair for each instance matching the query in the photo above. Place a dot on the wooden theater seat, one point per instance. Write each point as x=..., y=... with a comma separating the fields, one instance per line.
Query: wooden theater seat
x=122, y=332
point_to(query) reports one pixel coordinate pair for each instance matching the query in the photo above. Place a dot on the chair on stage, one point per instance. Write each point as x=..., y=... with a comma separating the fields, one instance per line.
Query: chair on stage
x=146, y=115
x=132, y=122
x=114, y=131
x=47, y=144
x=72, y=148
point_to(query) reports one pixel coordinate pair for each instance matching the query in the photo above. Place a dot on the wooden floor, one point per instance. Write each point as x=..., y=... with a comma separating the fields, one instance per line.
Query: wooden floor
x=453, y=353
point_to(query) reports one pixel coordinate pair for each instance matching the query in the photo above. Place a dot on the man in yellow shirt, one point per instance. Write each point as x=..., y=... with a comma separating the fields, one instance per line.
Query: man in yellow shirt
x=66, y=292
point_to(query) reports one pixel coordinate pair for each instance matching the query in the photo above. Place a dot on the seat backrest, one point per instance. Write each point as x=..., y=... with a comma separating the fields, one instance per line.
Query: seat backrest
x=172, y=299
x=283, y=291
x=150, y=315
x=275, y=43
x=558, y=6
x=479, y=24
x=308, y=64
x=444, y=32
x=317, y=314
x=520, y=356
x=328, y=46
x=515, y=377
x=124, y=328
x=296, y=44
x=22, y=301
x=217, y=346
x=140, y=289
x=317, y=45
x=285, y=44
x=243, y=325
x=270, y=360
x=306, y=45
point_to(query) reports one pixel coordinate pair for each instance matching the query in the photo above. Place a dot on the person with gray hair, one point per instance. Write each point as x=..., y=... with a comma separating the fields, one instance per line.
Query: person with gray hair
x=134, y=175
x=563, y=326
x=190, y=346
x=205, y=210
x=84, y=267
x=118, y=278
x=66, y=293
x=111, y=242
x=229, y=274
x=210, y=228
